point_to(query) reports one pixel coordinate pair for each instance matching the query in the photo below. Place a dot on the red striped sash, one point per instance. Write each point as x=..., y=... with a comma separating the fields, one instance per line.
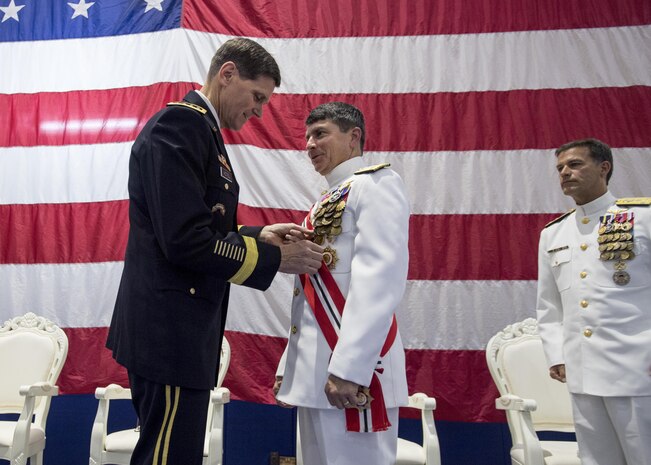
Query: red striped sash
x=327, y=303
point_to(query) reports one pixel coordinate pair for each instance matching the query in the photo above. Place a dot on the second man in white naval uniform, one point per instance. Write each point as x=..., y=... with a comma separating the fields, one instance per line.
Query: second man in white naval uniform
x=594, y=308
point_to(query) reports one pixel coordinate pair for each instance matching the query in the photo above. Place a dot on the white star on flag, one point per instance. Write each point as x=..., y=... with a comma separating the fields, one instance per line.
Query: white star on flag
x=151, y=4
x=11, y=11
x=81, y=8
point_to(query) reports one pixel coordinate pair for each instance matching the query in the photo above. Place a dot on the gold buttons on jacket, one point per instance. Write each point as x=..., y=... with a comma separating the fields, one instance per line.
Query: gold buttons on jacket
x=584, y=246
x=587, y=332
x=584, y=303
x=226, y=186
x=193, y=291
x=294, y=329
x=296, y=291
x=583, y=274
x=585, y=220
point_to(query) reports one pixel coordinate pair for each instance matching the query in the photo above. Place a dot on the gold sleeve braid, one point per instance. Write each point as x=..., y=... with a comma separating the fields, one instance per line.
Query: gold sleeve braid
x=250, y=261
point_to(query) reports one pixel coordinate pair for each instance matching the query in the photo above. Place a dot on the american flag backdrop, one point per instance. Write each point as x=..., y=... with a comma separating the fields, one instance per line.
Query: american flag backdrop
x=465, y=98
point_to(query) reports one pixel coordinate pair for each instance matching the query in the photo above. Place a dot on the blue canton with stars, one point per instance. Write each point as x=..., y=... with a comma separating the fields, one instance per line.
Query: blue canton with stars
x=27, y=20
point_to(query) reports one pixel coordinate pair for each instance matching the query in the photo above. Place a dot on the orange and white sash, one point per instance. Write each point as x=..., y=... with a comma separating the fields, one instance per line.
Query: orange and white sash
x=327, y=303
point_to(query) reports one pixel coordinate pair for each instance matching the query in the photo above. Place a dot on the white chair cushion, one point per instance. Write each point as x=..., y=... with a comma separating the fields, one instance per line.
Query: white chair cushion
x=554, y=453
x=7, y=428
x=122, y=441
x=410, y=453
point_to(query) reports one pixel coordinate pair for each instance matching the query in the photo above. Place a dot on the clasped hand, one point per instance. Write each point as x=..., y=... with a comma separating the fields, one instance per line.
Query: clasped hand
x=298, y=253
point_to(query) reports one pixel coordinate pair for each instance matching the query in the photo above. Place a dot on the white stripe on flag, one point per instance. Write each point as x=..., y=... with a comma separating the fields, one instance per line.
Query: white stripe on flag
x=600, y=57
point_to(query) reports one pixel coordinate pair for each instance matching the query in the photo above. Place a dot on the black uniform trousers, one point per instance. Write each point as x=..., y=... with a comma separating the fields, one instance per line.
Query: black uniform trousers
x=172, y=423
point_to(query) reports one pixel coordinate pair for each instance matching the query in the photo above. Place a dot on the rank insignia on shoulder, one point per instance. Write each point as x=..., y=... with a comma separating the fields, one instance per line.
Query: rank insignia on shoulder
x=194, y=107
x=634, y=202
x=372, y=169
x=560, y=218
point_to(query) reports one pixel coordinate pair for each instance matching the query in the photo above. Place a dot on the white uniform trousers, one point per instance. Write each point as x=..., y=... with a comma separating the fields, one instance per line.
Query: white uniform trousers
x=613, y=430
x=325, y=441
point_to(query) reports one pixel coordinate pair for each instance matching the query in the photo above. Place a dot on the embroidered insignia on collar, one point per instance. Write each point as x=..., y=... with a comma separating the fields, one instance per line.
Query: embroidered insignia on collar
x=194, y=107
x=372, y=169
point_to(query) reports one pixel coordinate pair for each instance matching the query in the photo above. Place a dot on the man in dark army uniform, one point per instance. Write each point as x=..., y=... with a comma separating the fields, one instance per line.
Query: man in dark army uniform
x=185, y=249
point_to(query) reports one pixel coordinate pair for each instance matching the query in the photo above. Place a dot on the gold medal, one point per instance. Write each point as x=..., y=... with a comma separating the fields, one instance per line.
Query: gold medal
x=341, y=205
x=330, y=258
x=319, y=239
x=620, y=265
x=626, y=226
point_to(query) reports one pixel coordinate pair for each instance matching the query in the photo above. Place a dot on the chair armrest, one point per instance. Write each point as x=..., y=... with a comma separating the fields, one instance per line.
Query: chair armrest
x=522, y=408
x=39, y=389
x=21, y=435
x=111, y=392
x=218, y=398
x=100, y=425
x=513, y=402
x=427, y=405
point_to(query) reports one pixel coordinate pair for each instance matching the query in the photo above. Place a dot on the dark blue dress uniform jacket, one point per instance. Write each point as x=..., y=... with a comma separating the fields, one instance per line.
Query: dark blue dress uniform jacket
x=184, y=250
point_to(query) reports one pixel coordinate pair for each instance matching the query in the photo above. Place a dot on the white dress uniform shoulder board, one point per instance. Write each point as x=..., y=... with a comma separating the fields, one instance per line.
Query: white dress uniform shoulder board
x=372, y=169
x=560, y=218
x=634, y=202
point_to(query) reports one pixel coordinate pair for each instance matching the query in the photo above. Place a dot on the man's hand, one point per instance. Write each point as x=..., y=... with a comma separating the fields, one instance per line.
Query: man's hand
x=341, y=393
x=557, y=372
x=281, y=233
x=276, y=388
x=300, y=257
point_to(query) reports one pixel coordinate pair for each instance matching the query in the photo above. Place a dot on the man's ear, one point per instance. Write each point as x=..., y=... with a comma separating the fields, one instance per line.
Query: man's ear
x=606, y=166
x=355, y=137
x=226, y=73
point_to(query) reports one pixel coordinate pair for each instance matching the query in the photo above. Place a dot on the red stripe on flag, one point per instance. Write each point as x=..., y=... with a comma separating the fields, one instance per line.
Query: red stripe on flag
x=253, y=366
x=506, y=120
x=64, y=232
x=337, y=18
x=85, y=116
x=441, y=247
x=509, y=120
x=89, y=364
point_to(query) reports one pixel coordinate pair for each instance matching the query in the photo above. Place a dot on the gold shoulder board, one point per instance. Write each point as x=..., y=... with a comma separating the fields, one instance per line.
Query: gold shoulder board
x=634, y=202
x=372, y=169
x=560, y=218
x=201, y=110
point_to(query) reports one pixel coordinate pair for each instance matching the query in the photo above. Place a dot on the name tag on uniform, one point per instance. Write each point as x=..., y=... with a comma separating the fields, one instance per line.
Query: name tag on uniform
x=227, y=175
x=558, y=249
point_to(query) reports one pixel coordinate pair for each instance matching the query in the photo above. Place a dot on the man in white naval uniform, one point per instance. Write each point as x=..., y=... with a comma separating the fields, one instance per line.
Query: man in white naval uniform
x=366, y=253
x=594, y=308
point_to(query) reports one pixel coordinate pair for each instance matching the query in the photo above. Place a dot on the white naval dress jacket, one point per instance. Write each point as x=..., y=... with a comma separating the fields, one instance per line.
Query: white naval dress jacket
x=371, y=273
x=600, y=330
